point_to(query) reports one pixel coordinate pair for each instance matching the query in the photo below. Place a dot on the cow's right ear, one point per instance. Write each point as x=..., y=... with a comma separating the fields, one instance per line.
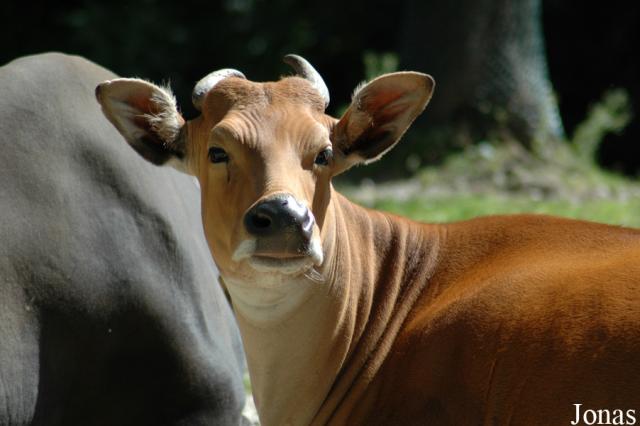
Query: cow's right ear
x=147, y=116
x=380, y=112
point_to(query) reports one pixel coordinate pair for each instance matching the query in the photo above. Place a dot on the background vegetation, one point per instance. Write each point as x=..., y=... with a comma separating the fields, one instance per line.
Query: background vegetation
x=533, y=111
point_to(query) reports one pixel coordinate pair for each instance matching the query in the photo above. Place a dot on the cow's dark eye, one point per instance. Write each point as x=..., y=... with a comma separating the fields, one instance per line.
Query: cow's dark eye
x=324, y=157
x=218, y=155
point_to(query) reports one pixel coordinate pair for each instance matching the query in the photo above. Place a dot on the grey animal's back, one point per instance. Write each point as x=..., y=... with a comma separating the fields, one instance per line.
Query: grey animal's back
x=110, y=313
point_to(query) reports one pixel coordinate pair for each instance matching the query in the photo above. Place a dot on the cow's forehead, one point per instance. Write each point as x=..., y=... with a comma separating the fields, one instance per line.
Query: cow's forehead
x=239, y=94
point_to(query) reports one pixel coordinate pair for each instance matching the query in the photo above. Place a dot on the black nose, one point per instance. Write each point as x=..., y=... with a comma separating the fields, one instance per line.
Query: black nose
x=278, y=214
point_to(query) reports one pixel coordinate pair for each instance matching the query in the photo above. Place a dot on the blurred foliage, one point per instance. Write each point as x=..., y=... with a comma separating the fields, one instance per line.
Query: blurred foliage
x=376, y=63
x=347, y=42
x=610, y=115
x=183, y=41
x=488, y=168
x=491, y=178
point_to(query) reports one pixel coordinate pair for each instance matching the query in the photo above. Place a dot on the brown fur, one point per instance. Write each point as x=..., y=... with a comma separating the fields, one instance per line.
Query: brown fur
x=498, y=320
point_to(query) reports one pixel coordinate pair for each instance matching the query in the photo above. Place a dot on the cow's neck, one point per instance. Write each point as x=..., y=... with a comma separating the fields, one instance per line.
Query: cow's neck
x=312, y=353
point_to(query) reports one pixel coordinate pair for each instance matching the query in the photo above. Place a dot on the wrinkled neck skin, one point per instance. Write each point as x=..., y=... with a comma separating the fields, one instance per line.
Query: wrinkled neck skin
x=315, y=342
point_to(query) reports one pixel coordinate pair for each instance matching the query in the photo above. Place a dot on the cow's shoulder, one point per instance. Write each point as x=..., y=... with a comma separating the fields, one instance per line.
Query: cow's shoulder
x=544, y=298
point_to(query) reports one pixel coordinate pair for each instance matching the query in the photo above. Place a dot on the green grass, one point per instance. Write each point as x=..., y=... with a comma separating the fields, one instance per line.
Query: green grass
x=246, y=380
x=446, y=209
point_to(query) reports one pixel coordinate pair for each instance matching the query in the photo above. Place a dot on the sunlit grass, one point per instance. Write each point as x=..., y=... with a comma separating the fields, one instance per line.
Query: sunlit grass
x=446, y=209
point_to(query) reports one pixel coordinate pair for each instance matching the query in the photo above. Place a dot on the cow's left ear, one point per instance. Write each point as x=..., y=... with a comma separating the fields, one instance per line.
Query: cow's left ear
x=147, y=116
x=380, y=112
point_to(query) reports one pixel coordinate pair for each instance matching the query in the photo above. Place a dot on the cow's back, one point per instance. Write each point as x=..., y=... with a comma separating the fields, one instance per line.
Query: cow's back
x=109, y=309
x=524, y=317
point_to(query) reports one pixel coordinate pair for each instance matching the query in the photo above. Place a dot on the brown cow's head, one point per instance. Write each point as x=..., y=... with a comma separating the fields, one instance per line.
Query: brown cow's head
x=264, y=154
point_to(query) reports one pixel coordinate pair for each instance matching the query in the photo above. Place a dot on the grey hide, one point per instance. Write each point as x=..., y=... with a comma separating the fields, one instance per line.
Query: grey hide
x=110, y=310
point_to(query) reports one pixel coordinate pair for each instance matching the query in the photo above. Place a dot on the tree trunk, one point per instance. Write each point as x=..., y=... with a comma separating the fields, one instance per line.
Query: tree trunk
x=489, y=62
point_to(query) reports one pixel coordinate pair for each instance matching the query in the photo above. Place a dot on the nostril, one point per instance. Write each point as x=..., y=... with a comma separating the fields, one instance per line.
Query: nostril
x=261, y=221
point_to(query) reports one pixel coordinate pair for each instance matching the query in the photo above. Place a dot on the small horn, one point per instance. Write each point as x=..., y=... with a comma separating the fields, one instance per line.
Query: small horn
x=207, y=83
x=304, y=69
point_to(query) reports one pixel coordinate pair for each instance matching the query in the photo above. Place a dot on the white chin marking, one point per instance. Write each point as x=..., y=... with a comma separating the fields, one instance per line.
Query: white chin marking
x=315, y=252
x=244, y=251
x=280, y=266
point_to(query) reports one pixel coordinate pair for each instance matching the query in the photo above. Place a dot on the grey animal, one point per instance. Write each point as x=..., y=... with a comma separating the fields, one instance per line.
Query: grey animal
x=110, y=313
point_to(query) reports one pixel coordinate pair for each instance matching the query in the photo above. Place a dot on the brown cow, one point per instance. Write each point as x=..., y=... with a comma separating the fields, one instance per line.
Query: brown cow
x=351, y=316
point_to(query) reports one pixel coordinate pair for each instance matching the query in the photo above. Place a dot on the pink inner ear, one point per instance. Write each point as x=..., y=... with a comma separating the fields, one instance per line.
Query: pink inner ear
x=141, y=123
x=384, y=106
x=390, y=113
x=142, y=103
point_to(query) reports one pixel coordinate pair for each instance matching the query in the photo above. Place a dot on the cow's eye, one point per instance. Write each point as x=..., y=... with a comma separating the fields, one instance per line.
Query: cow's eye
x=218, y=155
x=324, y=157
